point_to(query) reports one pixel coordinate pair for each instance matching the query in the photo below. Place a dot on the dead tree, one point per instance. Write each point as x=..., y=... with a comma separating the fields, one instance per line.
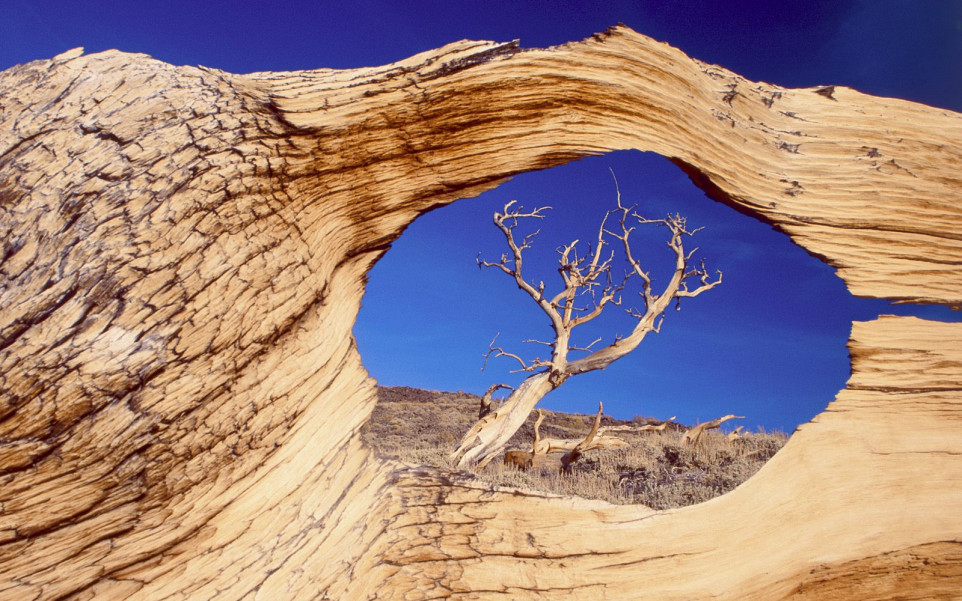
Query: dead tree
x=600, y=440
x=557, y=453
x=487, y=403
x=736, y=434
x=587, y=289
x=693, y=437
x=568, y=459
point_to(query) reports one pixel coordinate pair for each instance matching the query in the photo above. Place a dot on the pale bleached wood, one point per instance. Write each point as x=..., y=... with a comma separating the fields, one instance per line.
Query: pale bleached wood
x=693, y=436
x=183, y=256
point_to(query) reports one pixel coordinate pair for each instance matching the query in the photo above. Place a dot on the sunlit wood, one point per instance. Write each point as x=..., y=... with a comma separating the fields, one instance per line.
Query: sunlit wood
x=183, y=257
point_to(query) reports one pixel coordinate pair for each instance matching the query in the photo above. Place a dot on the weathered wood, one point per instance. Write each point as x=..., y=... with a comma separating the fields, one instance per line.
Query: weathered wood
x=657, y=428
x=558, y=453
x=487, y=403
x=183, y=256
x=693, y=436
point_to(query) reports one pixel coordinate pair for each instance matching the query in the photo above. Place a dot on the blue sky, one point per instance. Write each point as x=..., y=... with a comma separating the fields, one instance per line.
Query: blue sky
x=769, y=343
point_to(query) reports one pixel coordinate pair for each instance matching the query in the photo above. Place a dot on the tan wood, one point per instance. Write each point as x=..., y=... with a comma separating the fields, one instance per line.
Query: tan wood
x=558, y=453
x=183, y=254
x=657, y=428
x=693, y=436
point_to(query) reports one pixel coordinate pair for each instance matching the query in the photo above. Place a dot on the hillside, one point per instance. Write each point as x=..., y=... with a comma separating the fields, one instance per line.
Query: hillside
x=422, y=426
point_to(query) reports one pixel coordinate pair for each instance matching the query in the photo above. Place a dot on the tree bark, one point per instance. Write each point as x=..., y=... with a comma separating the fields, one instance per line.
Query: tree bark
x=491, y=433
x=183, y=256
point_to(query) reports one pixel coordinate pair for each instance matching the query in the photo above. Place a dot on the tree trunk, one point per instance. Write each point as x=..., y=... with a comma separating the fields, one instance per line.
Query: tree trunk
x=490, y=434
x=183, y=256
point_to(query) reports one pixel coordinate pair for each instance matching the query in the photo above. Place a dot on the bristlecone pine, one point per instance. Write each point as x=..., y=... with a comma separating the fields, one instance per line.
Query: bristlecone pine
x=183, y=256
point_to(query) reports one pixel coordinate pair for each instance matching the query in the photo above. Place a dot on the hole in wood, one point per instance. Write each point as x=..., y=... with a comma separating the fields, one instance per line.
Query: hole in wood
x=768, y=344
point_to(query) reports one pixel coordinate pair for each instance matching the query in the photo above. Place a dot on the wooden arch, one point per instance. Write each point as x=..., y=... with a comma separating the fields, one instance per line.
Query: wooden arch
x=184, y=253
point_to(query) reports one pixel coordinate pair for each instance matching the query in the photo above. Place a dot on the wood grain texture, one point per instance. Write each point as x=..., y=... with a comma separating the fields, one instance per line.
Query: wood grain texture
x=183, y=257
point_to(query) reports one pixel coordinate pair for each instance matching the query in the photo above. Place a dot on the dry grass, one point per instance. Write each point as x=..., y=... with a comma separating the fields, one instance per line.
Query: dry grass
x=657, y=470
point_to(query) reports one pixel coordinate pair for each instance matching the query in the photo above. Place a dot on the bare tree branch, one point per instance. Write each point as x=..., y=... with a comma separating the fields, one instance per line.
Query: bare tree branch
x=507, y=221
x=584, y=348
x=497, y=351
x=651, y=318
x=487, y=403
x=693, y=437
x=575, y=454
x=560, y=454
x=736, y=434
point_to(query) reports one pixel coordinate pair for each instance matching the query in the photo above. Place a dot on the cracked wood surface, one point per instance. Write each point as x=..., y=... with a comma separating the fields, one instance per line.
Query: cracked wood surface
x=183, y=256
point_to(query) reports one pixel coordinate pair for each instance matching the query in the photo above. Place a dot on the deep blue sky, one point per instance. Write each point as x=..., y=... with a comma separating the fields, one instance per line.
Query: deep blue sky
x=769, y=343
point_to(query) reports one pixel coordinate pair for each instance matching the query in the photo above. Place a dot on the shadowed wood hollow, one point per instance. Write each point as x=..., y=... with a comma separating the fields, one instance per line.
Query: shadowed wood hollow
x=183, y=257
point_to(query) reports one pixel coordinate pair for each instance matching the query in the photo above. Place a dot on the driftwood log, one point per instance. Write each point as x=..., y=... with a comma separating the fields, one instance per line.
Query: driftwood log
x=184, y=253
